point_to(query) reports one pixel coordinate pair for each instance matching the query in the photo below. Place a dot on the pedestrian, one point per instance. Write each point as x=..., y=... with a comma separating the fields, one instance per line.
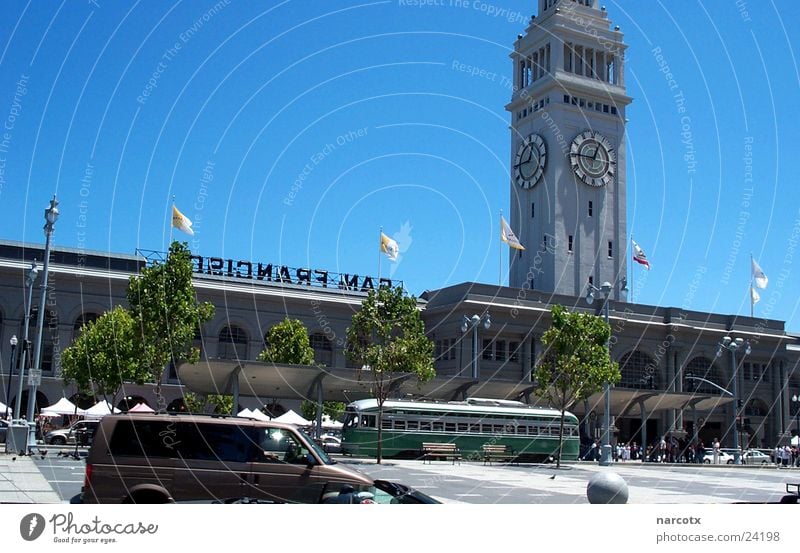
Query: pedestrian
x=716, y=451
x=701, y=451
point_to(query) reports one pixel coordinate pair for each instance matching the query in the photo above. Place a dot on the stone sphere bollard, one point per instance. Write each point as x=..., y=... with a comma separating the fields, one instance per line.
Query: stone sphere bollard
x=607, y=487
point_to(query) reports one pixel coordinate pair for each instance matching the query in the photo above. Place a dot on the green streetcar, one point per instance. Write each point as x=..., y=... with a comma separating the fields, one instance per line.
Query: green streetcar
x=531, y=432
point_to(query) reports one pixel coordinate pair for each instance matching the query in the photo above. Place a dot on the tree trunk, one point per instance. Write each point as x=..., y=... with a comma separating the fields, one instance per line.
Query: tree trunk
x=560, y=440
x=380, y=432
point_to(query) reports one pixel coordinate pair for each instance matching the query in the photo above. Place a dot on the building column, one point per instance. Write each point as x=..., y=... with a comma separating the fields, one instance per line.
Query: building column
x=527, y=352
x=785, y=399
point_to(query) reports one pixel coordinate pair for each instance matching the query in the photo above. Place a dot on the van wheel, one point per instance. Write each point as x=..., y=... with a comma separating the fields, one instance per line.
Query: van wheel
x=146, y=497
x=59, y=440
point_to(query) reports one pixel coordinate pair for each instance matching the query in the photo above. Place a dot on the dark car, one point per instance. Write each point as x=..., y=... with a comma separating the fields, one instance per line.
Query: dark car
x=3, y=431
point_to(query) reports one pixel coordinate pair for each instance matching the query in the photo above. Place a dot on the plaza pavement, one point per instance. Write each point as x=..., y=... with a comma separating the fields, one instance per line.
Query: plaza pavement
x=22, y=481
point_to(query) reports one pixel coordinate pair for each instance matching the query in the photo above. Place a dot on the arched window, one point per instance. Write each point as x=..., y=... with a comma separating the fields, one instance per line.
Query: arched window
x=639, y=371
x=703, y=367
x=83, y=320
x=756, y=408
x=232, y=343
x=323, y=349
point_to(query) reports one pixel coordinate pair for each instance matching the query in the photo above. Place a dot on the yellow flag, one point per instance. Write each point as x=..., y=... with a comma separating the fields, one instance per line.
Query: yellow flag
x=389, y=247
x=181, y=221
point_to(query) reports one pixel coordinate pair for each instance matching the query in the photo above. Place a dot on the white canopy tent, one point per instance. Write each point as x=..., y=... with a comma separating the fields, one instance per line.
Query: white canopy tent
x=62, y=407
x=100, y=409
x=258, y=414
x=3, y=408
x=246, y=413
x=330, y=424
x=293, y=418
x=141, y=408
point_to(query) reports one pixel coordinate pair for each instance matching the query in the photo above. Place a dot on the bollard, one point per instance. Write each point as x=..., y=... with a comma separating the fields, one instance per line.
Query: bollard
x=607, y=487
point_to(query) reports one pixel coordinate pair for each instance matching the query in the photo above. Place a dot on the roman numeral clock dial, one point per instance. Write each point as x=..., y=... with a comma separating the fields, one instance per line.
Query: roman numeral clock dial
x=593, y=158
x=529, y=163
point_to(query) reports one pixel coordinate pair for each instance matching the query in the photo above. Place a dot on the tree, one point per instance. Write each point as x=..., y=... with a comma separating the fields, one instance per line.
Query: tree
x=576, y=363
x=333, y=409
x=223, y=404
x=287, y=342
x=386, y=340
x=166, y=314
x=104, y=356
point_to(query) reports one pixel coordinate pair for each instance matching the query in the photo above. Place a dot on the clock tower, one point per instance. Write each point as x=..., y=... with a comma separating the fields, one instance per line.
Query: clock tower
x=568, y=151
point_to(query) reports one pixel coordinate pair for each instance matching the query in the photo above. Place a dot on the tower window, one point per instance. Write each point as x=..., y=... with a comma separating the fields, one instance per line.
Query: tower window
x=610, y=248
x=569, y=243
x=591, y=280
x=591, y=210
x=533, y=210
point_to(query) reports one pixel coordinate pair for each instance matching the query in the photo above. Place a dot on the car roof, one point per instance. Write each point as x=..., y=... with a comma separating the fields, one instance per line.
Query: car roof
x=197, y=419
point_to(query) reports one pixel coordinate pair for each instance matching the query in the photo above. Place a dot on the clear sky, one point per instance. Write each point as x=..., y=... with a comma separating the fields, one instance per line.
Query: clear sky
x=291, y=132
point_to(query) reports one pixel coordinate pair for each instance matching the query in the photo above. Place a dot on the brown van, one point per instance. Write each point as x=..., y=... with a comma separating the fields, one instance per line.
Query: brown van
x=148, y=458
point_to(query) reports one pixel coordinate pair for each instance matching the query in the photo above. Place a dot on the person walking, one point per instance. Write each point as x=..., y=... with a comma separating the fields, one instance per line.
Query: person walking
x=716, y=451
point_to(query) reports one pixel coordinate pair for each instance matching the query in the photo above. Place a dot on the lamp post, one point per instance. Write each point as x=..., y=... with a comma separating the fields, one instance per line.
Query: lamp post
x=605, y=455
x=34, y=378
x=29, y=280
x=13, y=343
x=473, y=324
x=796, y=402
x=733, y=346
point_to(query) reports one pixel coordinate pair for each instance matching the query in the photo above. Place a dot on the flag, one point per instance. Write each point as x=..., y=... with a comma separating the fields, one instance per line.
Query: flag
x=754, y=296
x=507, y=235
x=758, y=275
x=639, y=255
x=181, y=221
x=389, y=247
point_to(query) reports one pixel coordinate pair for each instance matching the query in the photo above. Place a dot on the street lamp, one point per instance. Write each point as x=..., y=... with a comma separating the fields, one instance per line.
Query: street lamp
x=605, y=456
x=35, y=376
x=30, y=278
x=13, y=342
x=796, y=401
x=733, y=346
x=474, y=323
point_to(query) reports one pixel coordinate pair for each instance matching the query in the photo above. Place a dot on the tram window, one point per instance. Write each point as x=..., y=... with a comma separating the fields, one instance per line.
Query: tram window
x=533, y=431
x=413, y=425
x=475, y=428
x=487, y=428
x=438, y=426
x=510, y=429
x=449, y=427
x=399, y=425
x=463, y=427
x=386, y=424
x=522, y=429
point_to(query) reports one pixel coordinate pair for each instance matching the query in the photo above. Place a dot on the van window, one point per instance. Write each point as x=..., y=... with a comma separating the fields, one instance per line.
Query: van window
x=184, y=440
x=281, y=446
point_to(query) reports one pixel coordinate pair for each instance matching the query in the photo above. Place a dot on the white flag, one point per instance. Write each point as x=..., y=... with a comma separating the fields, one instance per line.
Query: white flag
x=639, y=255
x=389, y=247
x=507, y=235
x=758, y=275
x=754, y=296
x=181, y=221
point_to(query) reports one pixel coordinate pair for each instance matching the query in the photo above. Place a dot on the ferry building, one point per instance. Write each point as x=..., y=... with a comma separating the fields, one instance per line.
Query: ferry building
x=568, y=206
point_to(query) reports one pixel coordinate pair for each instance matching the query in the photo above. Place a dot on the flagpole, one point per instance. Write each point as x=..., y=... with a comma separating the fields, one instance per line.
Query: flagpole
x=500, y=258
x=752, y=304
x=380, y=246
x=633, y=283
x=171, y=226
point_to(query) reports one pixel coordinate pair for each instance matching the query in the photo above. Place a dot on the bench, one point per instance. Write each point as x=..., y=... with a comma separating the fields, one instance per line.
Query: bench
x=431, y=451
x=497, y=452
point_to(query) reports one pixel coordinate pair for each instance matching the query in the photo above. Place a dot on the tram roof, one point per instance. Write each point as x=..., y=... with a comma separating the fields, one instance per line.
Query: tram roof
x=459, y=407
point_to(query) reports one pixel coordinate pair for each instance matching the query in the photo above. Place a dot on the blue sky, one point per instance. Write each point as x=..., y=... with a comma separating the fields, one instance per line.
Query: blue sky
x=290, y=132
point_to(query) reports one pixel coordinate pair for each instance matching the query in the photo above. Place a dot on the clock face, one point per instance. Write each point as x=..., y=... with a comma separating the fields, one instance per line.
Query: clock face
x=593, y=158
x=530, y=161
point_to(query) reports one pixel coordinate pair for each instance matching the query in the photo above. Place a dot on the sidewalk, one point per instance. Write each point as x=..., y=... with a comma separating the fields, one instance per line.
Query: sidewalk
x=22, y=482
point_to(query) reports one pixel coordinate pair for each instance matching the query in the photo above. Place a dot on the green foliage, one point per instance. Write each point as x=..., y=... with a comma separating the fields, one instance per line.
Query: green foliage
x=166, y=313
x=387, y=337
x=287, y=342
x=334, y=409
x=103, y=356
x=195, y=403
x=576, y=363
